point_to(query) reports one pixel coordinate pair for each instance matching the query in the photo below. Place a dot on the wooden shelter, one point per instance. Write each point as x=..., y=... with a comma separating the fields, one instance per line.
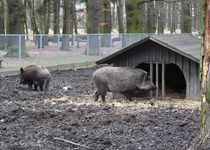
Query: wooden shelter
x=171, y=59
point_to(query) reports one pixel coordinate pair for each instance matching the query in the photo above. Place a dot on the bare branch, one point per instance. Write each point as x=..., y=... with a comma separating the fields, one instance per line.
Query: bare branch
x=73, y=143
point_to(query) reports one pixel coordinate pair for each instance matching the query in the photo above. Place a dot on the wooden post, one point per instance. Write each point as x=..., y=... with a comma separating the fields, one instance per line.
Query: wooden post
x=156, y=78
x=163, y=79
x=151, y=75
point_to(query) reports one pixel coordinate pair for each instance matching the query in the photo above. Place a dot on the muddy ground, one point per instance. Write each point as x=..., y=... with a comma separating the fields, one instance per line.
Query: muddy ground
x=70, y=120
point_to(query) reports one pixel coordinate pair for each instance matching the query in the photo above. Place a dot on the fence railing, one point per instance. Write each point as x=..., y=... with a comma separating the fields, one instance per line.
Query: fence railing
x=55, y=50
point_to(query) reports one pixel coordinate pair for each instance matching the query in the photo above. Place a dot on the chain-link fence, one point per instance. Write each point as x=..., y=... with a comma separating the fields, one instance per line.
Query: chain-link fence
x=56, y=50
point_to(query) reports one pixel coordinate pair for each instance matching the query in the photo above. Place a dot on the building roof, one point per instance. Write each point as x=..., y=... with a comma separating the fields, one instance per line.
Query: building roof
x=184, y=44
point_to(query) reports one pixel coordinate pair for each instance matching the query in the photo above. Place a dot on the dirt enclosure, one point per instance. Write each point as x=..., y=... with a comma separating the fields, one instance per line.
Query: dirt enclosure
x=71, y=120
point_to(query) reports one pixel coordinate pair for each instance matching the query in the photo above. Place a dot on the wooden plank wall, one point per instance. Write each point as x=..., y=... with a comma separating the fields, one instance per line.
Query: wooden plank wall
x=151, y=51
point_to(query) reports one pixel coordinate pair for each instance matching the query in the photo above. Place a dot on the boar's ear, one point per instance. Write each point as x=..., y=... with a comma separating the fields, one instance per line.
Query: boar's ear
x=21, y=70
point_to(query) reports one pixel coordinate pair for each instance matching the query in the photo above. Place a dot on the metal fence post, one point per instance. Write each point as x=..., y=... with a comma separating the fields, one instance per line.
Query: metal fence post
x=121, y=40
x=40, y=53
x=19, y=50
x=110, y=42
x=74, y=48
x=99, y=45
x=87, y=47
x=58, y=51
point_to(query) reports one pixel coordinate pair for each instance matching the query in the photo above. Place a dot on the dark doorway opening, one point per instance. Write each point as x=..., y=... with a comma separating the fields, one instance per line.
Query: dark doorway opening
x=175, y=84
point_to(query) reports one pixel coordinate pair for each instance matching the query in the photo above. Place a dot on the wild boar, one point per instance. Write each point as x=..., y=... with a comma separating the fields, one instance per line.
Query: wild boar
x=35, y=75
x=123, y=80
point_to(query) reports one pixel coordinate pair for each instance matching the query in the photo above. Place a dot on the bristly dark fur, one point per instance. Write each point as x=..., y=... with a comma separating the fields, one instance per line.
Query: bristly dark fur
x=122, y=80
x=34, y=75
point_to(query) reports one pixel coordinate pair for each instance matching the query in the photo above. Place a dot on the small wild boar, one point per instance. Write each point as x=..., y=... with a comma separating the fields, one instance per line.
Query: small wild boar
x=123, y=80
x=35, y=75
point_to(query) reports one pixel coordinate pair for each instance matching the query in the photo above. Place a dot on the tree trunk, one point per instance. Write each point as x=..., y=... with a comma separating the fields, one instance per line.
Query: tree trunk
x=196, y=15
x=105, y=24
x=113, y=13
x=133, y=16
x=174, y=17
x=122, y=21
x=199, y=12
x=56, y=11
x=74, y=17
x=186, y=23
x=47, y=17
x=26, y=23
x=40, y=13
x=161, y=17
x=47, y=6
x=151, y=18
x=169, y=16
x=30, y=6
x=16, y=20
x=67, y=24
x=93, y=27
x=2, y=27
x=204, y=141
x=120, y=16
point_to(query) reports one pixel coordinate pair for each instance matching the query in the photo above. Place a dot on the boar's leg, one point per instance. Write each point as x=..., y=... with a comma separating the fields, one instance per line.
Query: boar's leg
x=41, y=86
x=128, y=95
x=103, y=92
x=46, y=86
x=96, y=95
x=35, y=86
x=30, y=85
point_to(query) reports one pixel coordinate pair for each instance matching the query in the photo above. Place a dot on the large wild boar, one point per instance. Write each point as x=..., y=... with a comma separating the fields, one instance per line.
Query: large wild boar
x=35, y=75
x=123, y=80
